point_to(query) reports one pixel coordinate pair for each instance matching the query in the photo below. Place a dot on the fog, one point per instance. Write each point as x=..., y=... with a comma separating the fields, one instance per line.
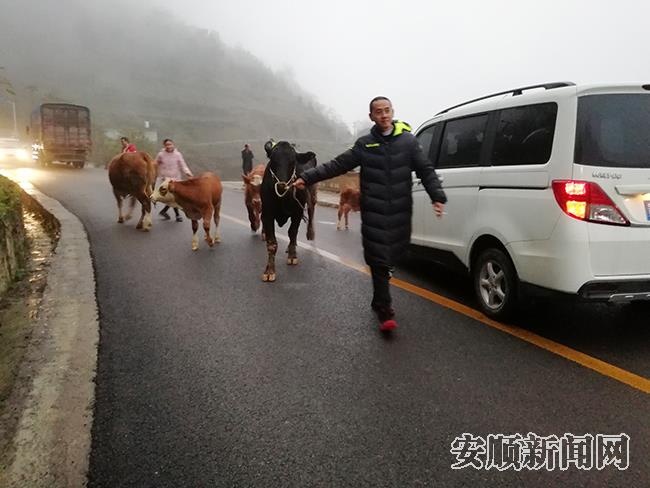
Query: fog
x=146, y=74
x=428, y=55
x=213, y=75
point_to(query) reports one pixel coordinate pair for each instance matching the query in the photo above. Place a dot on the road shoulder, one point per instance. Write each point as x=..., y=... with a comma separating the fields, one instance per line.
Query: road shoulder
x=53, y=397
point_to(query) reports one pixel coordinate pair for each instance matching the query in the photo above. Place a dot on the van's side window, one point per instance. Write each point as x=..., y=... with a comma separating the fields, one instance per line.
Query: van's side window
x=525, y=135
x=425, y=137
x=461, y=142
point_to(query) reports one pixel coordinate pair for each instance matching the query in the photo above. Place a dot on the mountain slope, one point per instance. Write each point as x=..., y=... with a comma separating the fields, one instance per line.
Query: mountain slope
x=131, y=64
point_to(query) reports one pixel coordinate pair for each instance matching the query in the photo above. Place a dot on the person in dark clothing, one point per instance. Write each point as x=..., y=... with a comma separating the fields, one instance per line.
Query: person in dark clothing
x=386, y=155
x=247, y=159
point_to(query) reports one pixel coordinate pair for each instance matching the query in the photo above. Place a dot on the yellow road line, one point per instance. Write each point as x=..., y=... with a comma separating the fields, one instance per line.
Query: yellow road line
x=635, y=381
x=606, y=369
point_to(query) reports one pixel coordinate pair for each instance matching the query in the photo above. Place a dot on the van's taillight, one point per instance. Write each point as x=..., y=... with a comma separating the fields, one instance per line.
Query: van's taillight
x=585, y=200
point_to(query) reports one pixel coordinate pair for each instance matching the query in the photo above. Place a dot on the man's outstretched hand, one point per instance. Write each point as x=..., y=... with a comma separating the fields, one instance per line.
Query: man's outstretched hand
x=439, y=208
x=299, y=183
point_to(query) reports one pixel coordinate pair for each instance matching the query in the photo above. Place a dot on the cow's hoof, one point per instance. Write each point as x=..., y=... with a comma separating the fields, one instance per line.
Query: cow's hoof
x=120, y=220
x=268, y=277
x=195, y=247
x=139, y=226
x=217, y=239
x=127, y=217
x=292, y=261
x=338, y=227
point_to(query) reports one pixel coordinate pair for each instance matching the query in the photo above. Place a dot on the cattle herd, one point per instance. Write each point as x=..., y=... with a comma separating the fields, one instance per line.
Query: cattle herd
x=269, y=197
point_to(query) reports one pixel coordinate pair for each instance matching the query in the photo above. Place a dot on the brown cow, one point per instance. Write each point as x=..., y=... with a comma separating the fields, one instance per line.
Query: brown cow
x=252, y=198
x=199, y=198
x=349, y=201
x=134, y=175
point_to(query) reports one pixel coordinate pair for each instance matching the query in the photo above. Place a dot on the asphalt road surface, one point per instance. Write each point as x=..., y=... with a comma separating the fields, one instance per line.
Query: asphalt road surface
x=208, y=377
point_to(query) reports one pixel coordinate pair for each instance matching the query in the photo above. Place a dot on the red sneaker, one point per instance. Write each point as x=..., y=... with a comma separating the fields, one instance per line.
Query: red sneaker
x=388, y=325
x=385, y=316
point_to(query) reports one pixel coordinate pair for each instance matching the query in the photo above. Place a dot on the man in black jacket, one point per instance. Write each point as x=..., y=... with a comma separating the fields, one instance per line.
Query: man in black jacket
x=247, y=159
x=387, y=156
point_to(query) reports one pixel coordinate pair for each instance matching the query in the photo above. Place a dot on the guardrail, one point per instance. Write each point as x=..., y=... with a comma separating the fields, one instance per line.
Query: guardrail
x=339, y=183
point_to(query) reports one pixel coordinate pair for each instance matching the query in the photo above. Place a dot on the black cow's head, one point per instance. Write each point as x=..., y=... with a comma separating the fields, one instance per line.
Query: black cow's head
x=282, y=164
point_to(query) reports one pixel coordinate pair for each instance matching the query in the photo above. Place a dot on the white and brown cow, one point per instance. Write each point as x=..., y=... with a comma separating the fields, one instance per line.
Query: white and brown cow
x=133, y=175
x=199, y=198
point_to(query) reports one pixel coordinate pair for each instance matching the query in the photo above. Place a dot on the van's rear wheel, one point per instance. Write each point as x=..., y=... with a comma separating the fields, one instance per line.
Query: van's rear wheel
x=495, y=283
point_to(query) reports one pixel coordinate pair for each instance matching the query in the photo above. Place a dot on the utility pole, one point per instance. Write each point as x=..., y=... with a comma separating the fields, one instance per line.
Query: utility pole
x=13, y=104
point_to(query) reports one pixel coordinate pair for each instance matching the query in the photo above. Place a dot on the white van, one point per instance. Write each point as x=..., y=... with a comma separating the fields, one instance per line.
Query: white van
x=548, y=189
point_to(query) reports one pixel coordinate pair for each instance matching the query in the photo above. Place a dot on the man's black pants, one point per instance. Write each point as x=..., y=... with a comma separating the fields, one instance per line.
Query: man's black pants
x=380, y=286
x=164, y=210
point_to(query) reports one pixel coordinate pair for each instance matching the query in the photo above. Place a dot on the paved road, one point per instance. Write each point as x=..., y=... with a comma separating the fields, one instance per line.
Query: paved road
x=209, y=377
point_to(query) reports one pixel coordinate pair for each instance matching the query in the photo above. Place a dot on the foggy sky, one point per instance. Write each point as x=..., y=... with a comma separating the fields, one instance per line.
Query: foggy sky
x=427, y=55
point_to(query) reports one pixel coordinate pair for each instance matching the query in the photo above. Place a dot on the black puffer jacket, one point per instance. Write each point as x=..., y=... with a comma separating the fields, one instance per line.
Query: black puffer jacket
x=386, y=202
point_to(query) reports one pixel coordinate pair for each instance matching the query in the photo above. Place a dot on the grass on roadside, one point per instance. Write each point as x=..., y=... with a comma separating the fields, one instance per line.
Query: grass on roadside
x=9, y=198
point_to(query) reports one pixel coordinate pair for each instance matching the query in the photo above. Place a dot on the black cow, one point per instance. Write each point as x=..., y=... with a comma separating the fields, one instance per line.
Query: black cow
x=282, y=202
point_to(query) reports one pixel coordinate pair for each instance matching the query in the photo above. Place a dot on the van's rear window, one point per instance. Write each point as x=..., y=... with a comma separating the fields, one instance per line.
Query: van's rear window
x=613, y=130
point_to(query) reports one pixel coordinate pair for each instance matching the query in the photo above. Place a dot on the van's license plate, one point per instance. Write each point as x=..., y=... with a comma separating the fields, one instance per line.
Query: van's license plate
x=646, y=203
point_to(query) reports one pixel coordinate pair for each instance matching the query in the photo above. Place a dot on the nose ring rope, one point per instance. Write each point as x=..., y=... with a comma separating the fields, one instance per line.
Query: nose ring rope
x=287, y=188
x=287, y=183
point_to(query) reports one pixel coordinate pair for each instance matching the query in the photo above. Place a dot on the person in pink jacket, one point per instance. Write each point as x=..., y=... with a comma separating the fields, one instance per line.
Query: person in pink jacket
x=171, y=165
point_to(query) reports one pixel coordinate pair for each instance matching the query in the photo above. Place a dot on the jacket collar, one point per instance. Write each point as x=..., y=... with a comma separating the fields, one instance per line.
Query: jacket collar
x=399, y=127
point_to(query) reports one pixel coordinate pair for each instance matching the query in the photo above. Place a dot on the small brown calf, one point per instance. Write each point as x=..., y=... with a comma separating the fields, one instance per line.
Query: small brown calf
x=349, y=201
